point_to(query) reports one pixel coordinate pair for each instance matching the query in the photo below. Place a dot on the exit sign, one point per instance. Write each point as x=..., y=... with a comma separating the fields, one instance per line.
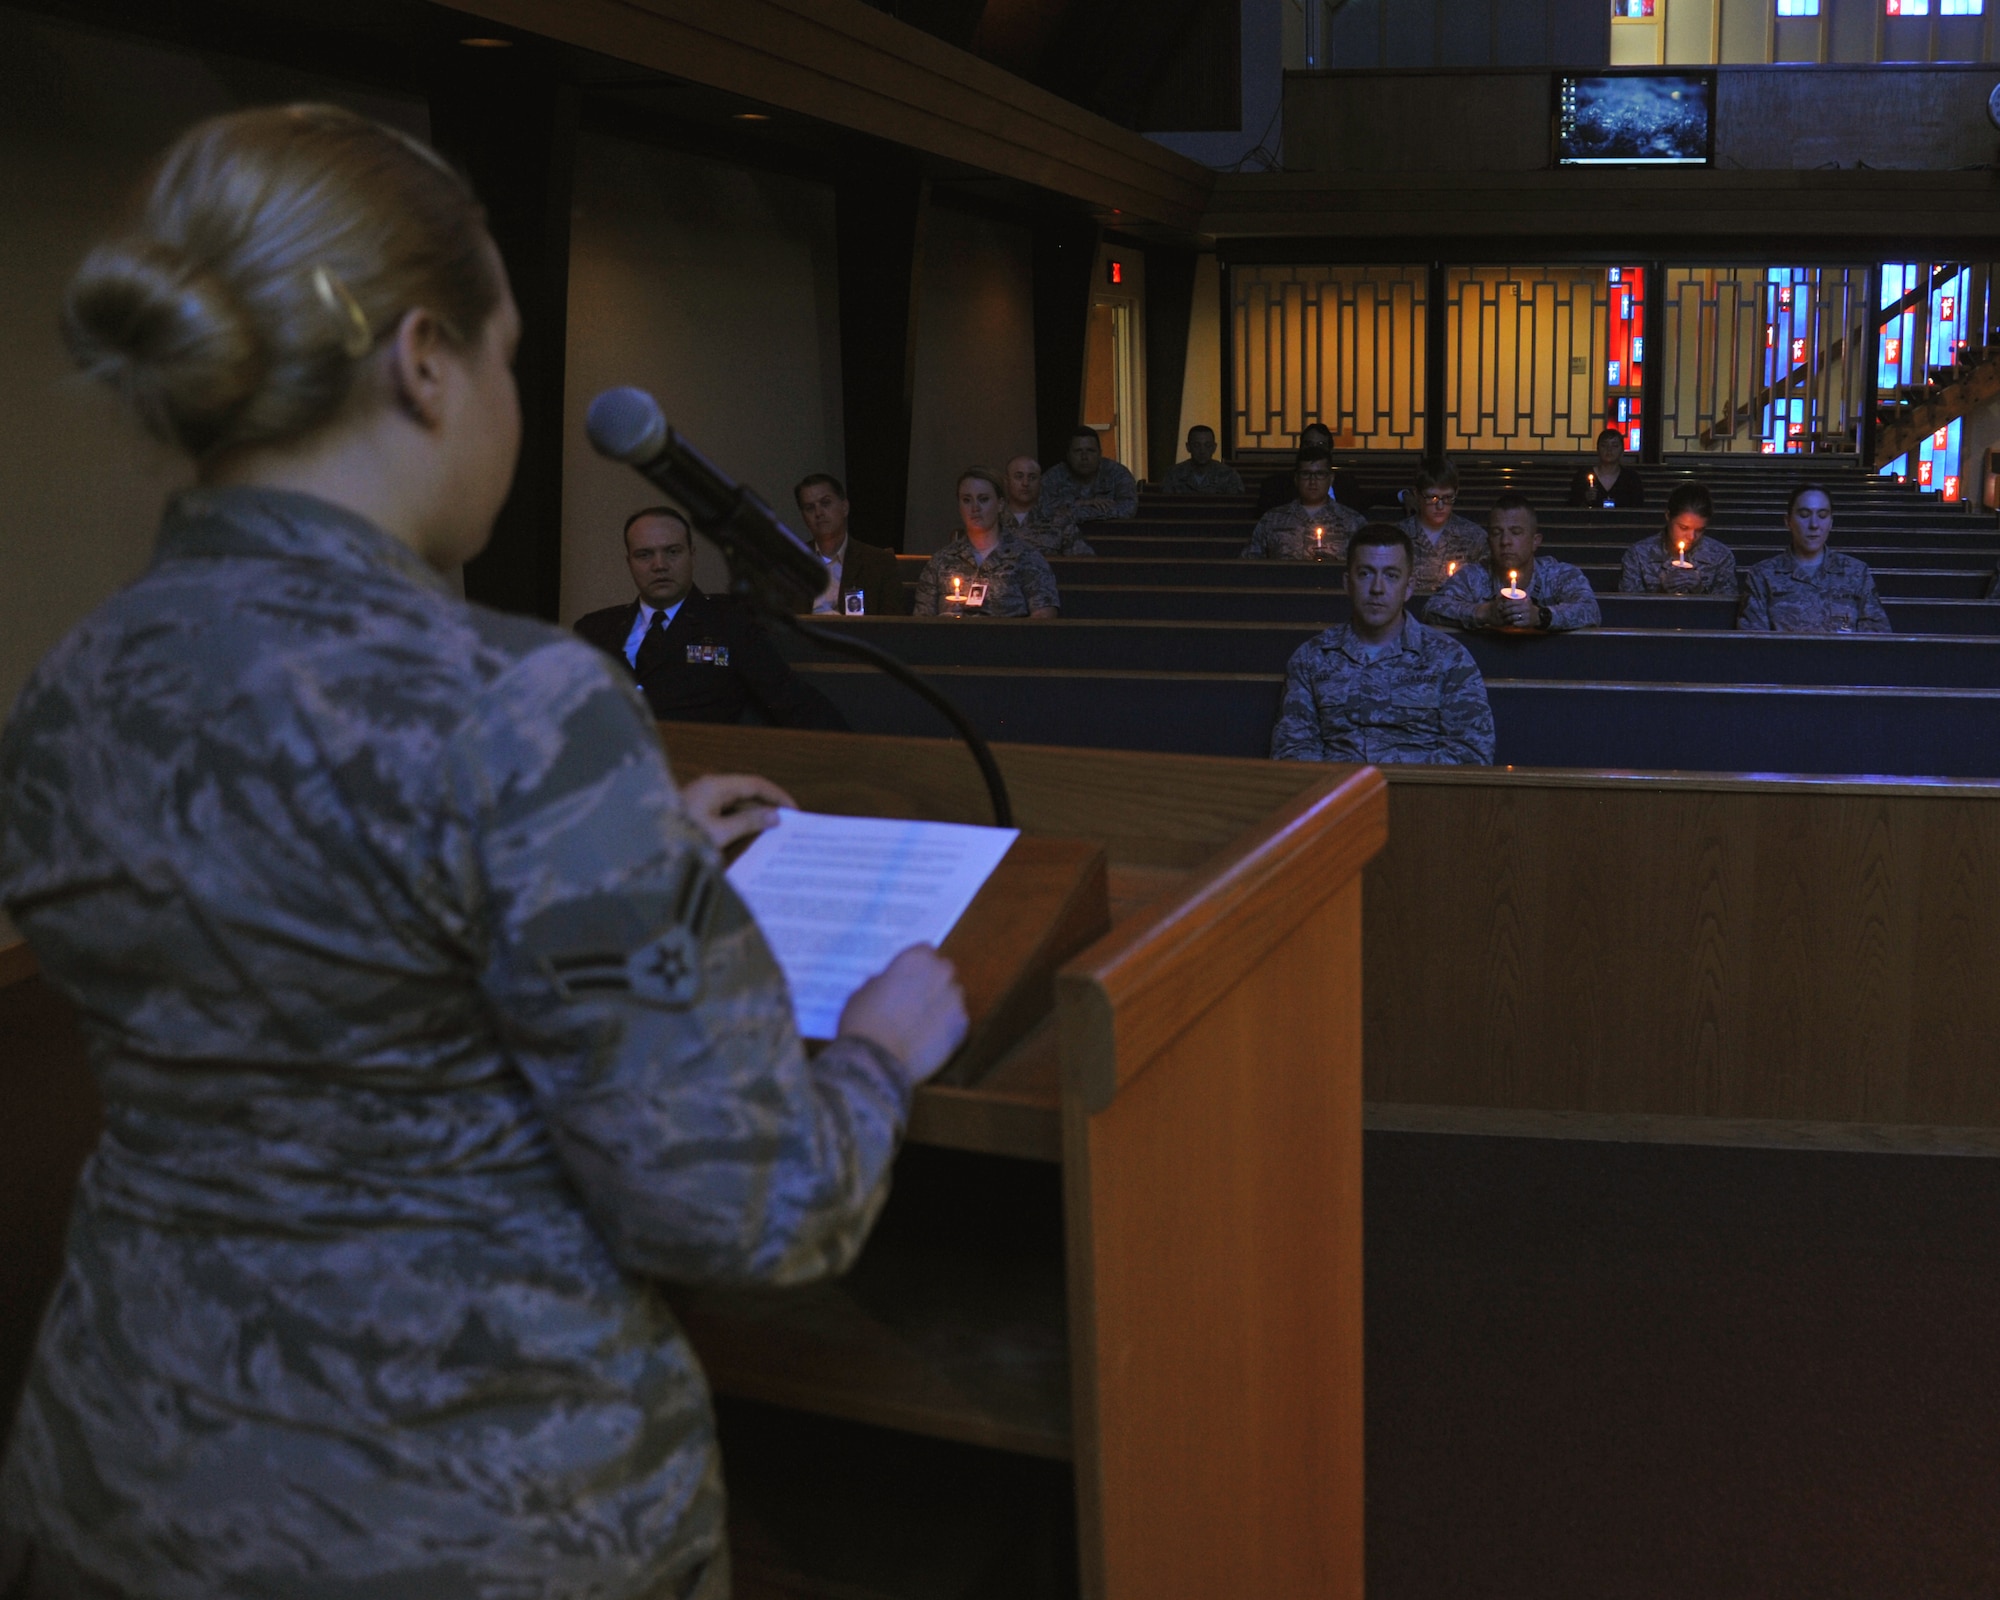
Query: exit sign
x=1114, y=272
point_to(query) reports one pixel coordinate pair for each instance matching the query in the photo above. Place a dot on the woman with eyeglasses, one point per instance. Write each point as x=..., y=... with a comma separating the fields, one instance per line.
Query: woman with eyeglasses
x=1444, y=541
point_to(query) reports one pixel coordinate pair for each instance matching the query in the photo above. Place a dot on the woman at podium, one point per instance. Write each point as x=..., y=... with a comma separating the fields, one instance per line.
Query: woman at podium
x=428, y=1028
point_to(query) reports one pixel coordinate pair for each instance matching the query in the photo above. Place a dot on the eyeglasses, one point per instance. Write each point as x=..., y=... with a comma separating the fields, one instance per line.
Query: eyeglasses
x=1439, y=497
x=1314, y=472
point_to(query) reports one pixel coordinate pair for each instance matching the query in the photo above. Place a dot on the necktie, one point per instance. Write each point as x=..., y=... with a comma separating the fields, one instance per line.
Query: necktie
x=652, y=648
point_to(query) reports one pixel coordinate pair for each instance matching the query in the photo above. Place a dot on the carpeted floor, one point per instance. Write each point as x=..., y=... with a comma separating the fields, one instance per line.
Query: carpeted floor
x=1641, y=1371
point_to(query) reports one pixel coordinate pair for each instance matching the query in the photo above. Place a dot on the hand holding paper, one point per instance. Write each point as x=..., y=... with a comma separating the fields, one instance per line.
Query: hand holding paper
x=913, y=1008
x=838, y=898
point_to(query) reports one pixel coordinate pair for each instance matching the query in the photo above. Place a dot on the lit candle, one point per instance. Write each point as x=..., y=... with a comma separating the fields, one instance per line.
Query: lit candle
x=1450, y=567
x=1680, y=555
x=1319, y=542
x=1513, y=590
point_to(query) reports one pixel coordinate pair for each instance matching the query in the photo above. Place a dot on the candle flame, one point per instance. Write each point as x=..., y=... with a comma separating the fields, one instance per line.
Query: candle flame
x=1450, y=567
x=1513, y=578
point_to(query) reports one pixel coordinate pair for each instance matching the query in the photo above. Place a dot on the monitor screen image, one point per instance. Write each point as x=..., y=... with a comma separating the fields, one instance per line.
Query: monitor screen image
x=1635, y=119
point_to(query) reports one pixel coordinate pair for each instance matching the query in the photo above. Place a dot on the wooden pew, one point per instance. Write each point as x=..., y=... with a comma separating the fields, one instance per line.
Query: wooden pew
x=1629, y=955
x=1663, y=656
x=1582, y=549
x=1178, y=602
x=1691, y=727
x=1915, y=583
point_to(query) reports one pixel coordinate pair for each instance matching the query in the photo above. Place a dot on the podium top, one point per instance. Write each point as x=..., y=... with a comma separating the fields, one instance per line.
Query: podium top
x=1140, y=986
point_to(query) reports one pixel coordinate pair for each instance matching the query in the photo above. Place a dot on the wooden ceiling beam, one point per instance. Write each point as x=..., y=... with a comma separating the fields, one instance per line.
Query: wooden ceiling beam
x=845, y=63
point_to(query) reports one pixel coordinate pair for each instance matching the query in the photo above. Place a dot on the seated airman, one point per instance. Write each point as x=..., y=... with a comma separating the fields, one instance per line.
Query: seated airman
x=1383, y=687
x=1051, y=532
x=1681, y=558
x=1443, y=540
x=985, y=571
x=1811, y=589
x=1514, y=587
x=1201, y=473
x=1087, y=486
x=1312, y=526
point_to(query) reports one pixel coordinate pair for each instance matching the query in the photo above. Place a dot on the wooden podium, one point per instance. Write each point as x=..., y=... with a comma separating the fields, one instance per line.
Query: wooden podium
x=1186, y=1330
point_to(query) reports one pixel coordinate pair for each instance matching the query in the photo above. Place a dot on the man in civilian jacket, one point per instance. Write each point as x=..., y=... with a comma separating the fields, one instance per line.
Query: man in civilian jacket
x=697, y=659
x=858, y=575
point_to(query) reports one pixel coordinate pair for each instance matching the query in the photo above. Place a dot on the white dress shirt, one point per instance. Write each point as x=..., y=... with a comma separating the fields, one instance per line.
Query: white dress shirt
x=829, y=597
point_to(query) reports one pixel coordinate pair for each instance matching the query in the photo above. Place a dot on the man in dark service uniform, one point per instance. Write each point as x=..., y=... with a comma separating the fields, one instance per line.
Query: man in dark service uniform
x=696, y=658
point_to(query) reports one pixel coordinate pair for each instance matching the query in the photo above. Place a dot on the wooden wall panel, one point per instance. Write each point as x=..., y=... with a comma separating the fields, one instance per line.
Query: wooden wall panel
x=1538, y=216
x=1809, y=952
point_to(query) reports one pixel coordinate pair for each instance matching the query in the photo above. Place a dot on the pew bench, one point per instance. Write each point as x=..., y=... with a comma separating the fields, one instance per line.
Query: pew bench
x=1628, y=655
x=1810, y=729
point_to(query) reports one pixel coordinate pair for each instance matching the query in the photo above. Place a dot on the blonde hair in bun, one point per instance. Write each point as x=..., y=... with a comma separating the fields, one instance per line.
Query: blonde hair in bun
x=274, y=249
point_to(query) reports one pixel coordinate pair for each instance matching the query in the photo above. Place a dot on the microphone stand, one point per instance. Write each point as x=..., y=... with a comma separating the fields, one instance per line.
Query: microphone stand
x=875, y=656
x=769, y=565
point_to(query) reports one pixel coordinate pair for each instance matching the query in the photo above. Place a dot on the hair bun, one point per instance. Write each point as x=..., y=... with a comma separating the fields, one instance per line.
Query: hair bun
x=168, y=335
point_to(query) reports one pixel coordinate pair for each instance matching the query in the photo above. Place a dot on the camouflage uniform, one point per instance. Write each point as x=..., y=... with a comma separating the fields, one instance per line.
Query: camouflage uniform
x=1555, y=584
x=1420, y=701
x=1649, y=568
x=1839, y=598
x=1186, y=477
x=1051, y=532
x=1018, y=580
x=1286, y=533
x=429, y=1033
x=1460, y=540
x=1060, y=490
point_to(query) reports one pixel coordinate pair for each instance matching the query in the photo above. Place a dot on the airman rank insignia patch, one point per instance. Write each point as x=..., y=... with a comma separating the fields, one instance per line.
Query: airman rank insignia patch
x=665, y=971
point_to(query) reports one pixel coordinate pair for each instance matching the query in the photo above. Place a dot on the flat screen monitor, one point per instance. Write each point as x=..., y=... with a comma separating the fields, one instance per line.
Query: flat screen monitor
x=1635, y=119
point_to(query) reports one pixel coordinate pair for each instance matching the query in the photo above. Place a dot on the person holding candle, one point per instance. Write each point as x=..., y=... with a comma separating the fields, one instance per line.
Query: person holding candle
x=1681, y=558
x=1383, y=687
x=1312, y=525
x=1811, y=589
x=986, y=570
x=1611, y=480
x=1514, y=587
x=1051, y=532
x=1443, y=540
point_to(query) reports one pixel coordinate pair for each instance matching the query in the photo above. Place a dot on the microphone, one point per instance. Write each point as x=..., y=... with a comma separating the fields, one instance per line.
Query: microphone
x=770, y=564
x=627, y=425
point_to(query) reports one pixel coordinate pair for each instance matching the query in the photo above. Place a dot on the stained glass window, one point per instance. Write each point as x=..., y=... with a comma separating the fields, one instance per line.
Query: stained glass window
x=1798, y=8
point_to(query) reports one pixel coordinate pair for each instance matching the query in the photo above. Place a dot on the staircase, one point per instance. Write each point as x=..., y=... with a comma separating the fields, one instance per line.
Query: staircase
x=1949, y=396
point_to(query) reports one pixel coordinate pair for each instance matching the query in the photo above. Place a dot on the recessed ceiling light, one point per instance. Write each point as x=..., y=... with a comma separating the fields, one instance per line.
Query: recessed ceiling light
x=487, y=44
x=752, y=116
